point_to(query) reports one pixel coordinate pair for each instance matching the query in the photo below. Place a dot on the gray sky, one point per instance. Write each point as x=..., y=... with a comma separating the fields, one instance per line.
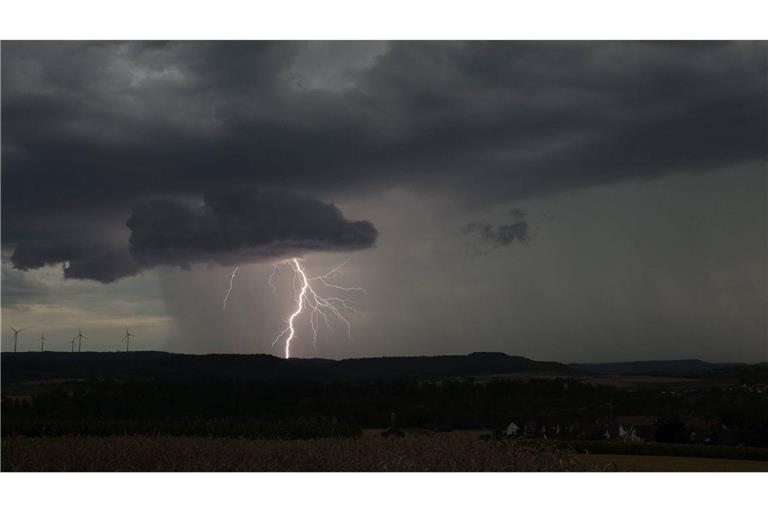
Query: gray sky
x=562, y=201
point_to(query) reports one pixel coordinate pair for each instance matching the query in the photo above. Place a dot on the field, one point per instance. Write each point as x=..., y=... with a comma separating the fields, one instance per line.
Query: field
x=457, y=451
x=661, y=449
x=173, y=412
x=658, y=381
x=665, y=463
x=444, y=452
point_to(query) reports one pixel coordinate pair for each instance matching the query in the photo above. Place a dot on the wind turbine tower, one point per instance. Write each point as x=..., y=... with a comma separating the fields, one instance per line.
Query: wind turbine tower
x=42, y=343
x=16, y=336
x=127, y=339
x=80, y=337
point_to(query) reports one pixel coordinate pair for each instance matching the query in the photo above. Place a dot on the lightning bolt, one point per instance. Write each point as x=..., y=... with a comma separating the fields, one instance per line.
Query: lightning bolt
x=319, y=306
x=229, y=290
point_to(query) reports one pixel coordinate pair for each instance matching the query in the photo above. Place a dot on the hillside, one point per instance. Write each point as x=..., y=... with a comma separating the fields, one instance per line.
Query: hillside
x=28, y=366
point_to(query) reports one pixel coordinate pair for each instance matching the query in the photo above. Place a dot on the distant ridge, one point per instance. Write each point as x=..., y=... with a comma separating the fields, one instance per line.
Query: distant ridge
x=28, y=366
x=638, y=367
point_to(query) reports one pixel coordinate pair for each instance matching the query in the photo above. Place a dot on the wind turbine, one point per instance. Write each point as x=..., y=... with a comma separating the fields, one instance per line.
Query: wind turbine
x=80, y=337
x=73, y=343
x=127, y=339
x=16, y=336
x=42, y=343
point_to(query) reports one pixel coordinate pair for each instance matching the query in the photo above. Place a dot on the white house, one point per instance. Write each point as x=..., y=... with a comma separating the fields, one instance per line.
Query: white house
x=511, y=430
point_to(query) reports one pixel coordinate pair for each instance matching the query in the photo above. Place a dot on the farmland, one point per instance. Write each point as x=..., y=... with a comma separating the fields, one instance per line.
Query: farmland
x=665, y=463
x=443, y=452
x=129, y=412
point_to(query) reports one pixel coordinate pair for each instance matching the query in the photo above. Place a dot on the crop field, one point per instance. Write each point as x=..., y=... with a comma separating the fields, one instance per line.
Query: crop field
x=444, y=452
x=666, y=463
x=661, y=449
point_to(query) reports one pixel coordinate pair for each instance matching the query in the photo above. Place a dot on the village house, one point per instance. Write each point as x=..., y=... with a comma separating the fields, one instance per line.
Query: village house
x=512, y=430
x=638, y=428
x=699, y=430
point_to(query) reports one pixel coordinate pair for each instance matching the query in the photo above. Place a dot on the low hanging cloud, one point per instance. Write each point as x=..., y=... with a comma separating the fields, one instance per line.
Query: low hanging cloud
x=232, y=226
x=490, y=236
x=238, y=225
x=97, y=261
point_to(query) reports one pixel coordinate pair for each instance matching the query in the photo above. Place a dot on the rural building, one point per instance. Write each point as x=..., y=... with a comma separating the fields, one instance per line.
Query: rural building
x=511, y=430
x=638, y=428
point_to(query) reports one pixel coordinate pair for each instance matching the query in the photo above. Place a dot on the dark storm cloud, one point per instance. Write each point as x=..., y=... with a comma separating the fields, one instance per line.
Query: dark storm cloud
x=490, y=236
x=94, y=261
x=501, y=235
x=240, y=225
x=95, y=127
x=232, y=226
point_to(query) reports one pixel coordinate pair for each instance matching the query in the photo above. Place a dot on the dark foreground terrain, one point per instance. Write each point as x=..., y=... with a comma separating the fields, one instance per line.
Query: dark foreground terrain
x=443, y=452
x=480, y=412
x=464, y=451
